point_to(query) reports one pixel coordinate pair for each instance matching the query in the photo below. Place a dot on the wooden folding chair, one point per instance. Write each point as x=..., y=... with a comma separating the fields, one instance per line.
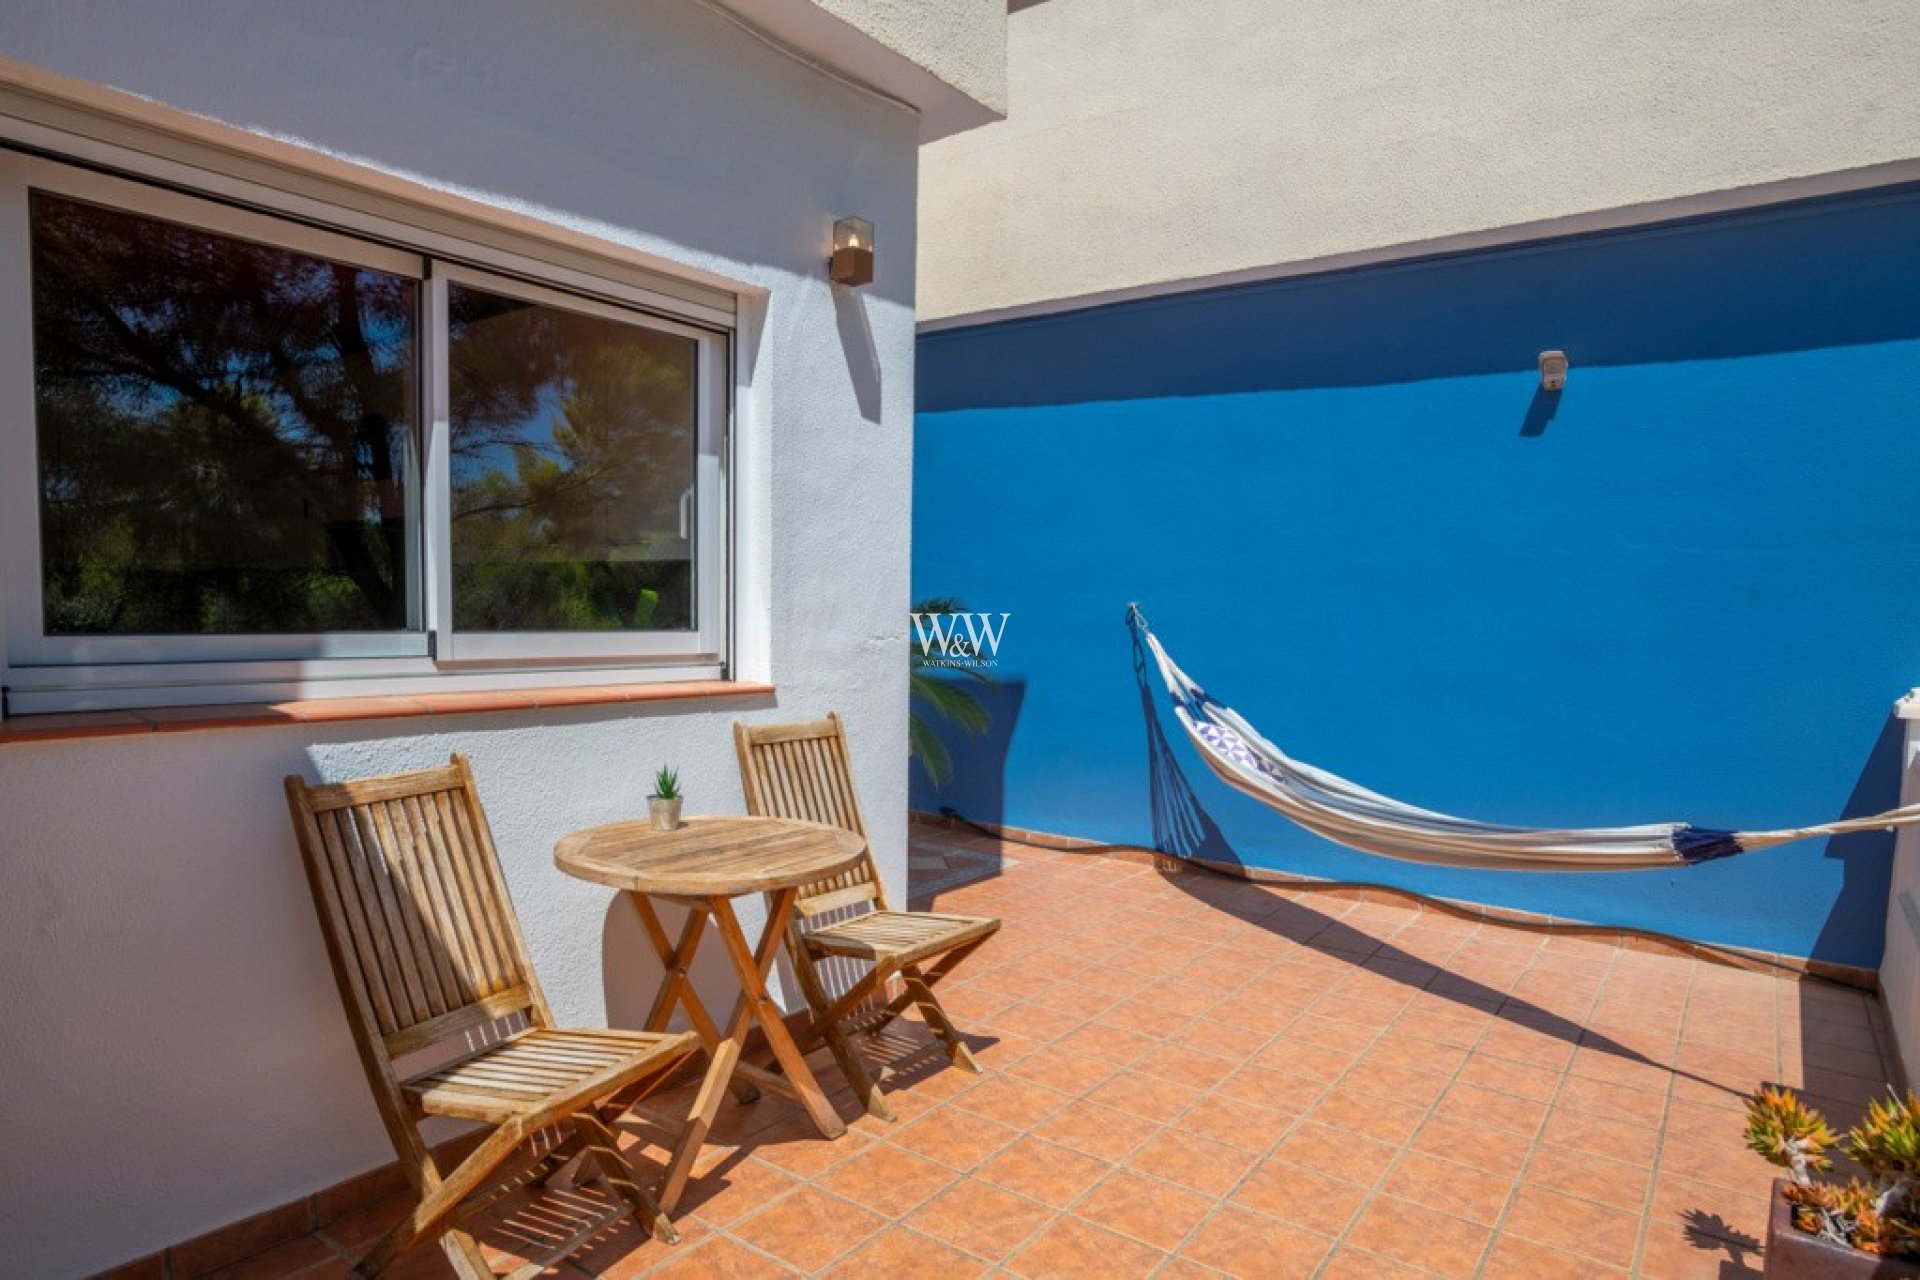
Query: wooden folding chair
x=803, y=771
x=426, y=949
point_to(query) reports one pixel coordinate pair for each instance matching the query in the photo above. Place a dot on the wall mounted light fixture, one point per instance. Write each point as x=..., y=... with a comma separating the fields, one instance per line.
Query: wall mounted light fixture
x=852, y=259
x=1553, y=370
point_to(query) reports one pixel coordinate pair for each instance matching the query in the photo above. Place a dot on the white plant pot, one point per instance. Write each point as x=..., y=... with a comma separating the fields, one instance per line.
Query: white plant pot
x=665, y=813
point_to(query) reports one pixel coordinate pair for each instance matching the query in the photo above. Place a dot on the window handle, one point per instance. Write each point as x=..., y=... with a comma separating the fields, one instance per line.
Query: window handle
x=686, y=512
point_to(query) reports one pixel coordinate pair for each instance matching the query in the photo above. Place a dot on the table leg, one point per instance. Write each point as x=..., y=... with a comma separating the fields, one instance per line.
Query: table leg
x=677, y=987
x=753, y=967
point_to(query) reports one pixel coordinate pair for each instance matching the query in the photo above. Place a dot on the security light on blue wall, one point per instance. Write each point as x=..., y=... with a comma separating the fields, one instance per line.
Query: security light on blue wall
x=1553, y=370
x=852, y=260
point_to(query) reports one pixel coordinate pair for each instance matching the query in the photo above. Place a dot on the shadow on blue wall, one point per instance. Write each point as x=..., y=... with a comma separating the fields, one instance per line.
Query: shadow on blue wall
x=978, y=788
x=1351, y=510
x=1181, y=824
x=1865, y=857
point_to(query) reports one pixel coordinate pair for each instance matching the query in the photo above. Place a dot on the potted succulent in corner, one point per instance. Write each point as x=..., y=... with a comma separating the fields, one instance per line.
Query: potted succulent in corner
x=1840, y=1231
x=664, y=804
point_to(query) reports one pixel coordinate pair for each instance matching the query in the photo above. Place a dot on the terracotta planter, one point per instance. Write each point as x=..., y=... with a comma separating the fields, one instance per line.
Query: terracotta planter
x=1792, y=1254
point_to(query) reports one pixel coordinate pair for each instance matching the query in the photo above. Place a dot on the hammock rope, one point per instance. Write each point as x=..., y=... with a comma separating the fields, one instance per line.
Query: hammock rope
x=1349, y=814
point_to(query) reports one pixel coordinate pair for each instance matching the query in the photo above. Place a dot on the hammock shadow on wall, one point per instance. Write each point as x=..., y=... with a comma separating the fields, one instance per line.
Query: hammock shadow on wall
x=1181, y=825
x=1183, y=828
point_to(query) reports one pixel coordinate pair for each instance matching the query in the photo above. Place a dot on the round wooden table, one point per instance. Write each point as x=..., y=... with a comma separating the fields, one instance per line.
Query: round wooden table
x=703, y=866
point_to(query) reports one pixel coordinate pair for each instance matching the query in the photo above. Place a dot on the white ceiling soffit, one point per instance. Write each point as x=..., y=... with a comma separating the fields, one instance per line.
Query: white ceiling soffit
x=946, y=59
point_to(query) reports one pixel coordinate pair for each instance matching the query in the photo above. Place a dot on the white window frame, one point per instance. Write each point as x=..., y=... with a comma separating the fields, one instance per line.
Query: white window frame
x=706, y=524
x=60, y=673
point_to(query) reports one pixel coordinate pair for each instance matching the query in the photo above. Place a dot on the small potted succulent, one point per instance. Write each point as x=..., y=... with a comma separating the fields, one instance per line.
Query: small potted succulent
x=1825, y=1230
x=664, y=804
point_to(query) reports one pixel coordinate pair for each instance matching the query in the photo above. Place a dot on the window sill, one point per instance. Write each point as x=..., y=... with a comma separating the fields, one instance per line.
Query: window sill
x=264, y=715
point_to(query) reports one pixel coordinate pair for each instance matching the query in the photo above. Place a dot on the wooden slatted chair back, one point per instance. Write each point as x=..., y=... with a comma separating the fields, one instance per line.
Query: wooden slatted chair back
x=423, y=938
x=802, y=771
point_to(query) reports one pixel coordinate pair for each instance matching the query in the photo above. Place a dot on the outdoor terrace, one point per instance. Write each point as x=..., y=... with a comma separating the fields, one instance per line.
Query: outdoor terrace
x=1188, y=1076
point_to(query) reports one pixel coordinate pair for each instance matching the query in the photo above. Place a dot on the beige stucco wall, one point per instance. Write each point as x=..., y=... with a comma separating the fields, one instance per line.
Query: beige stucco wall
x=1150, y=142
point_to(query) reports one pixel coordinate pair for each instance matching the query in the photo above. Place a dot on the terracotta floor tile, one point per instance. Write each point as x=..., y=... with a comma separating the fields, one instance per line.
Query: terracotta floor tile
x=1336, y=1153
x=1012, y=1100
x=1310, y=1062
x=1670, y=1254
x=1577, y=1226
x=980, y=1218
x=626, y=1250
x=794, y=1146
x=1512, y=1258
x=721, y=1259
x=1095, y=1130
x=1732, y=1167
x=1075, y=1250
x=1458, y=1189
x=1187, y=1066
x=1505, y=1076
x=1149, y=1211
x=1237, y=1123
x=1321, y=1204
x=1705, y=1209
x=1378, y=1116
x=733, y=1190
x=808, y=1229
x=1587, y=1176
x=1329, y=1033
x=1264, y=1086
x=1349, y=1263
x=1069, y=1073
x=887, y=1180
x=899, y=1254
x=958, y=1139
x=1439, y=1242
x=1402, y=1084
x=1255, y=1247
x=1610, y=1138
x=1397, y=1048
x=1613, y=1101
x=1527, y=1045
x=1199, y=1164
x=1489, y=1150
x=1149, y=1097
x=1470, y=1104
x=1043, y=1171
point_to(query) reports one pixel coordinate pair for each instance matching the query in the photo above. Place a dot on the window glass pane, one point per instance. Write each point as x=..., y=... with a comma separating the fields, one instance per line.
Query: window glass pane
x=223, y=431
x=573, y=449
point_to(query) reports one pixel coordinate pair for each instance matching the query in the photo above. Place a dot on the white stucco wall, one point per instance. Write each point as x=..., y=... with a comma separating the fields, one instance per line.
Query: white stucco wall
x=1149, y=142
x=174, y=1053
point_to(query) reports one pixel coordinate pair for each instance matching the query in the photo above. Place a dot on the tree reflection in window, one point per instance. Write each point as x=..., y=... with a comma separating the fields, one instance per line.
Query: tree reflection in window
x=573, y=452
x=223, y=431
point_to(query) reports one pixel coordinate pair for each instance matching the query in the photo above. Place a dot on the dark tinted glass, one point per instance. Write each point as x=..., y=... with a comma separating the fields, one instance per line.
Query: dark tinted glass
x=573, y=446
x=223, y=431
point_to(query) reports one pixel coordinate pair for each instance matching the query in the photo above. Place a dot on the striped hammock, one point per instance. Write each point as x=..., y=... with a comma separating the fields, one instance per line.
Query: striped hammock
x=1349, y=814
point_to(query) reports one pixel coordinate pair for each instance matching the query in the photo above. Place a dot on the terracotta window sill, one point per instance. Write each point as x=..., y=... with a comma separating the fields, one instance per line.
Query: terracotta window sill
x=261, y=715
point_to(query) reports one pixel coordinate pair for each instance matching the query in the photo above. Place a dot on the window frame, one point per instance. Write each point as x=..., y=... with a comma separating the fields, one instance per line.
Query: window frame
x=61, y=673
x=707, y=525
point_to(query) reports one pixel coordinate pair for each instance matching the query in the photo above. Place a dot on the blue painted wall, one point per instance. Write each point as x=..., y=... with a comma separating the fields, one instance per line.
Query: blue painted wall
x=1688, y=587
